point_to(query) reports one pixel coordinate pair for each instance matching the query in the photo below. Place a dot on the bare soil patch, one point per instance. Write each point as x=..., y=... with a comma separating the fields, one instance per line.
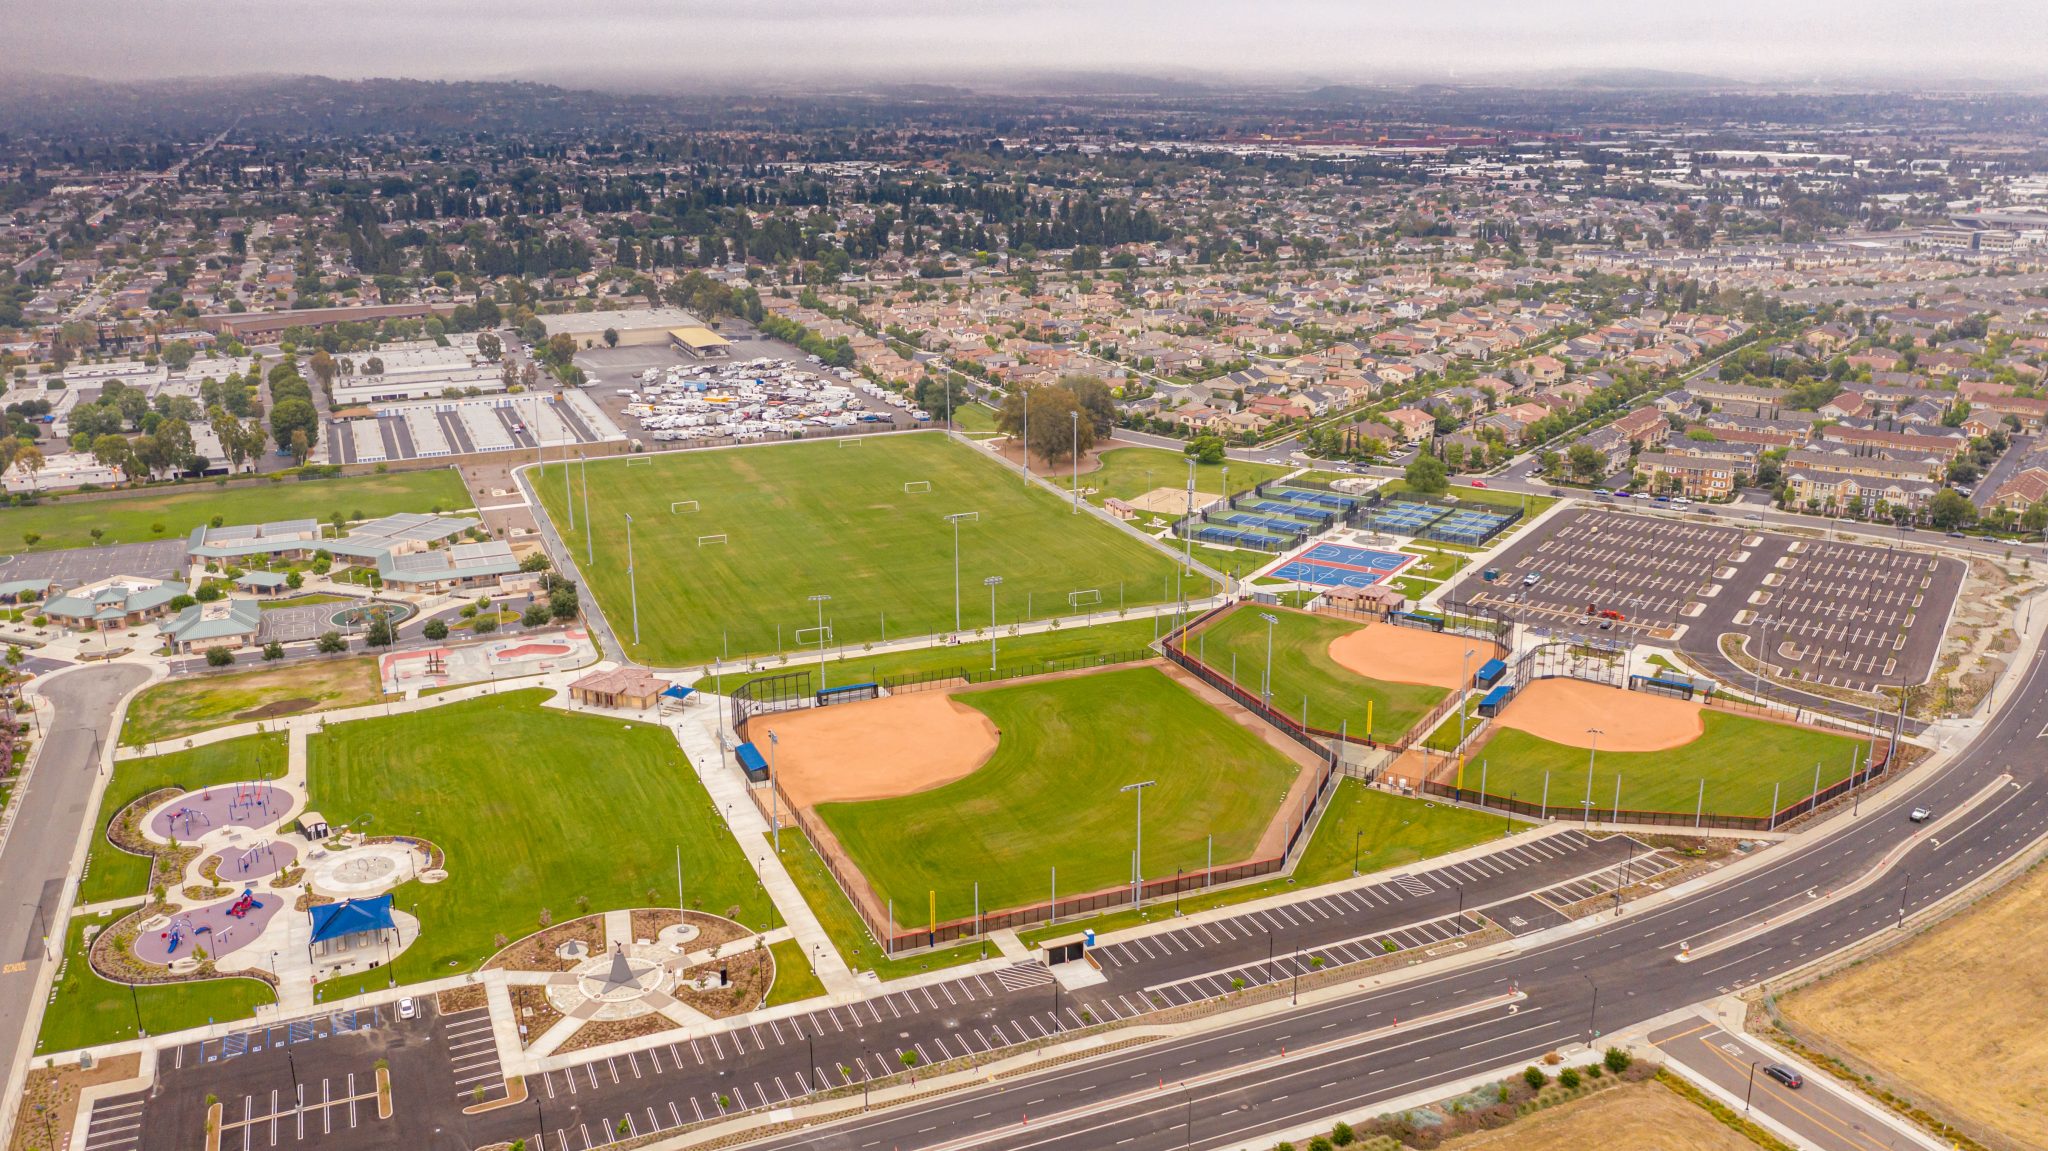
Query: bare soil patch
x=278, y=707
x=1396, y=654
x=49, y=1099
x=536, y=952
x=881, y=748
x=467, y=998
x=530, y=1007
x=1560, y=710
x=599, y=1032
x=1635, y=1115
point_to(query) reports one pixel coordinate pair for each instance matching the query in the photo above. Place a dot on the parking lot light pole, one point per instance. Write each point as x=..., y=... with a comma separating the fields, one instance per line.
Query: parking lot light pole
x=955, y=519
x=993, y=582
x=1591, y=751
x=774, y=799
x=1138, y=850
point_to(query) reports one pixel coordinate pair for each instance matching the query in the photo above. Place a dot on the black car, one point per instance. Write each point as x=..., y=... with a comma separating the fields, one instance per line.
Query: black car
x=1785, y=1075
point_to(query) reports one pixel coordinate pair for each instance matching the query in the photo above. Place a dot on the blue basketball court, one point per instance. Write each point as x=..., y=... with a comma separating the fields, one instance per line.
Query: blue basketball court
x=1335, y=565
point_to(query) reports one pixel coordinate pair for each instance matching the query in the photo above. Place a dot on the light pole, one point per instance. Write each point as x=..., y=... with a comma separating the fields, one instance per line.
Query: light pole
x=819, y=600
x=631, y=579
x=1591, y=751
x=955, y=520
x=1077, y=461
x=1593, y=1016
x=774, y=800
x=1266, y=688
x=1751, y=1092
x=1464, y=682
x=1138, y=851
x=993, y=582
x=589, y=543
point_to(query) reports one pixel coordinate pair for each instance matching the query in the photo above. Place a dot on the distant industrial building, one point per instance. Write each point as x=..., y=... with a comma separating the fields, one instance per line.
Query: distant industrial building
x=635, y=327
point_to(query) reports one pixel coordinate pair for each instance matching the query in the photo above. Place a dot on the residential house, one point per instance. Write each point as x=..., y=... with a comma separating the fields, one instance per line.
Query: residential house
x=1690, y=476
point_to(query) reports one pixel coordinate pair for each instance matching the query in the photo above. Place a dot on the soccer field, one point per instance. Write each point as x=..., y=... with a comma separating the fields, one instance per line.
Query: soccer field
x=1739, y=758
x=1302, y=667
x=1049, y=797
x=818, y=518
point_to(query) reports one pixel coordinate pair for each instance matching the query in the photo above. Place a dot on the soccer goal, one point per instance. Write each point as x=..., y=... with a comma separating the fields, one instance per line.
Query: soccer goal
x=805, y=636
x=682, y=506
x=917, y=487
x=703, y=541
x=850, y=441
x=639, y=461
x=1084, y=597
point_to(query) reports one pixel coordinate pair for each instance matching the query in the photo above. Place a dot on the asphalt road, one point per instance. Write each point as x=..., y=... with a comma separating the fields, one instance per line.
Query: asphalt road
x=36, y=860
x=1817, y=1111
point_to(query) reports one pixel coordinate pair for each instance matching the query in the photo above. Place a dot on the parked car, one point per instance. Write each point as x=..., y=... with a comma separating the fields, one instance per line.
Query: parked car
x=408, y=1008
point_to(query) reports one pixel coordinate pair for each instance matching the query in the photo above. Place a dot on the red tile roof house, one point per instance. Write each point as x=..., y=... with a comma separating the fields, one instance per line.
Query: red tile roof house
x=1644, y=426
x=1413, y=423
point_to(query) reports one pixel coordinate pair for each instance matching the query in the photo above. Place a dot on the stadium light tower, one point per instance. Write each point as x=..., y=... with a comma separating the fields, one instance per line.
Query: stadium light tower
x=1592, y=750
x=955, y=519
x=820, y=600
x=993, y=582
x=1138, y=849
x=1077, y=460
x=631, y=580
x=1266, y=689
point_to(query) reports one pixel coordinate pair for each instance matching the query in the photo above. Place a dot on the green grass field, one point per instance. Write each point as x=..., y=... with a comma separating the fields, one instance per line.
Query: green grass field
x=1231, y=561
x=843, y=925
x=179, y=707
x=1127, y=472
x=1302, y=666
x=1015, y=655
x=1375, y=829
x=1049, y=797
x=111, y=873
x=536, y=809
x=1739, y=758
x=794, y=979
x=87, y=1011
x=131, y=519
x=976, y=420
x=817, y=518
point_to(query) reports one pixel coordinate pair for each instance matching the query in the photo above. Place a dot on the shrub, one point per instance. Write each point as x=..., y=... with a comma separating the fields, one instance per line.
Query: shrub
x=485, y=625
x=273, y=650
x=1319, y=1143
x=330, y=642
x=535, y=615
x=219, y=657
x=1569, y=1078
x=435, y=629
x=1342, y=1135
x=1618, y=1060
x=1535, y=1077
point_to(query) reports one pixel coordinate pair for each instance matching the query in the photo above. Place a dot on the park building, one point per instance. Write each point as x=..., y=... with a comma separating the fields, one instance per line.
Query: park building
x=111, y=604
x=368, y=543
x=447, y=569
x=228, y=623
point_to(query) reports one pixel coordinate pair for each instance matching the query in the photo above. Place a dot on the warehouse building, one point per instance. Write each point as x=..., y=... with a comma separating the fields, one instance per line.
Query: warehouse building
x=635, y=326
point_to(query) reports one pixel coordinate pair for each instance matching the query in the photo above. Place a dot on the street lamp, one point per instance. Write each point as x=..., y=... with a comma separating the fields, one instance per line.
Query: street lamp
x=1138, y=851
x=1266, y=688
x=1751, y=1093
x=632, y=580
x=819, y=600
x=993, y=582
x=1592, y=750
x=955, y=519
x=1593, y=1016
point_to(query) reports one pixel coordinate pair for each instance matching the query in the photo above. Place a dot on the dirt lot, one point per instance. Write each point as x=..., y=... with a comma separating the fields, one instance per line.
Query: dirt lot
x=1396, y=654
x=879, y=748
x=49, y=1101
x=1637, y=1117
x=1951, y=1020
x=1560, y=710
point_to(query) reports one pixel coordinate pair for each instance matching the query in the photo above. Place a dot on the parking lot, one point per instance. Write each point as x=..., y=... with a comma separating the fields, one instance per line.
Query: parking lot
x=72, y=567
x=1843, y=615
x=1590, y=562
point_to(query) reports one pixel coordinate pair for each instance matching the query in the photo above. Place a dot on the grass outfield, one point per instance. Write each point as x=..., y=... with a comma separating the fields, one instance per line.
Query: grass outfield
x=1048, y=797
x=816, y=518
x=1019, y=655
x=535, y=809
x=111, y=873
x=133, y=518
x=1385, y=830
x=1302, y=666
x=1740, y=758
x=1128, y=472
x=179, y=707
x=87, y=1011
x=843, y=925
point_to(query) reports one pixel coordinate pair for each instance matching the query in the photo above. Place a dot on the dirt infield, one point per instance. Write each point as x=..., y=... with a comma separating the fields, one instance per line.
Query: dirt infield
x=879, y=749
x=1398, y=654
x=1560, y=710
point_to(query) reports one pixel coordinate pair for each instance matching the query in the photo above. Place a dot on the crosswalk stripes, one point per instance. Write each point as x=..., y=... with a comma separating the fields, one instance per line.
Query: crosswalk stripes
x=1413, y=885
x=1021, y=976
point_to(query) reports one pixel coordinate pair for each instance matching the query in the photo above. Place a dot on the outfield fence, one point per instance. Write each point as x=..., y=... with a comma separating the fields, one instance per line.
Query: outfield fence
x=1569, y=810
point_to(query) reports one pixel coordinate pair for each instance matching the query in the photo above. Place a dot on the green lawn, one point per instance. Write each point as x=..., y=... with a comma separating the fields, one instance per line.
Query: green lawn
x=1232, y=561
x=535, y=808
x=1128, y=472
x=186, y=704
x=1049, y=797
x=1739, y=758
x=1015, y=655
x=86, y=1011
x=794, y=979
x=1302, y=666
x=1385, y=830
x=974, y=420
x=816, y=518
x=111, y=873
x=68, y=523
x=1434, y=564
x=843, y=925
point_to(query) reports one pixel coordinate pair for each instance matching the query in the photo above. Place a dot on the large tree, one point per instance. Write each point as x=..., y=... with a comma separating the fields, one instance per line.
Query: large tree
x=1050, y=432
x=294, y=416
x=1427, y=476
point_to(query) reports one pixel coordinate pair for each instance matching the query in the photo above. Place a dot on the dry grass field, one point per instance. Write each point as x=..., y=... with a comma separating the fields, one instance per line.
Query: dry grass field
x=1638, y=1117
x=1951, y=1020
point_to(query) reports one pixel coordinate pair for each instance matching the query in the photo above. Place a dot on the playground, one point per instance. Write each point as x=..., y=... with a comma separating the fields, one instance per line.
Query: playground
x=897, y=745
x=220, y=929
x=1049, y=796
x=190, y=816
x=535, y=653
x=243, y=864
x=775, y=548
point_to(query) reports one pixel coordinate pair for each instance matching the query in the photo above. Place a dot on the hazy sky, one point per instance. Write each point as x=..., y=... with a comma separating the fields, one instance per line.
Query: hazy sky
x=609, y=43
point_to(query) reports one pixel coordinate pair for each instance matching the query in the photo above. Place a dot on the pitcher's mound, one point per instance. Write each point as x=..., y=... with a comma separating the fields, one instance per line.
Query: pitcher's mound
x=877, y=749
x=1561, y=711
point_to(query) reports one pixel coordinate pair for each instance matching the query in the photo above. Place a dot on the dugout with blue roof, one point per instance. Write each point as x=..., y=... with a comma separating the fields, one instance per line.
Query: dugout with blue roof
x=751, y=762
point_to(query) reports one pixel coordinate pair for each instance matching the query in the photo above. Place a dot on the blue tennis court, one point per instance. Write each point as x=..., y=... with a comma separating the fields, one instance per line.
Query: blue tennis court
x=1335, y=565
